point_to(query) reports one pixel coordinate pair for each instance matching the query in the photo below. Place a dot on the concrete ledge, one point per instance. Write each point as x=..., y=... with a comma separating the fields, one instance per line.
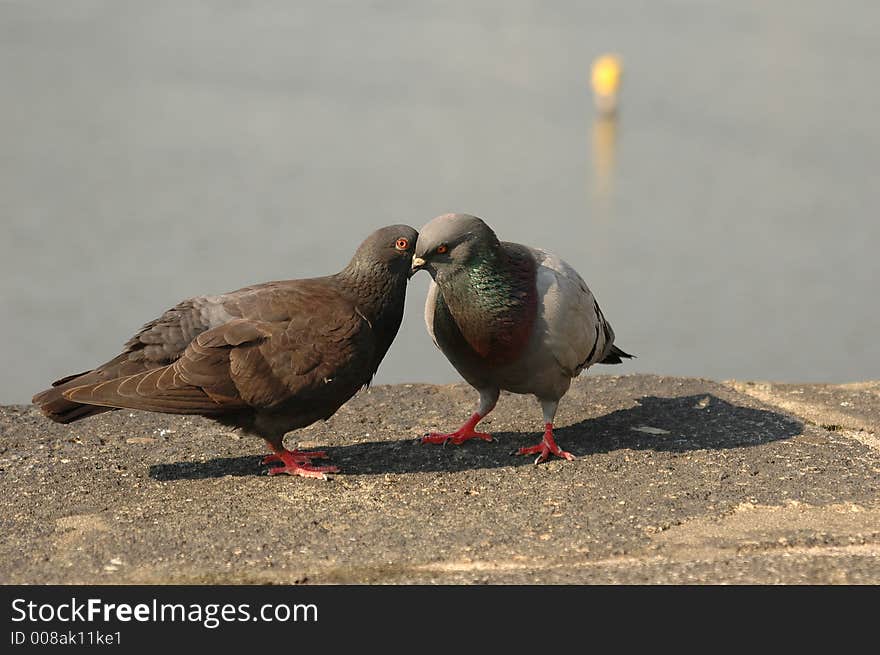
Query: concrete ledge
x=852, y=407
x=677, y=480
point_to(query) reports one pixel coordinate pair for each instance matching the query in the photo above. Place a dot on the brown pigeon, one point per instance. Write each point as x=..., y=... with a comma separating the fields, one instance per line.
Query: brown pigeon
x=510, y=317
x=268, y=358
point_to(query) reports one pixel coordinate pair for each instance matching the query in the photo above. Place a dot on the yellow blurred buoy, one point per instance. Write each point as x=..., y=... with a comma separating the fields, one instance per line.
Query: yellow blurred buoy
x=605, y=78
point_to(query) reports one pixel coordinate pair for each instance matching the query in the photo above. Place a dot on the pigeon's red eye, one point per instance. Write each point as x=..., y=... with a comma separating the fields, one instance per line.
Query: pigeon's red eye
x=442, y=249
x=402, y=244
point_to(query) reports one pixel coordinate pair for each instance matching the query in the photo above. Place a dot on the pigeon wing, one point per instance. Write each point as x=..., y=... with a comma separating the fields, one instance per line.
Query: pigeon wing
x=244, y=363
x=159, y=343
x=576, y=332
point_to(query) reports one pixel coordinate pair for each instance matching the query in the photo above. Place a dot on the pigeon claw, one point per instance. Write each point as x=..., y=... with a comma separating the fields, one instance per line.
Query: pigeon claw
x=298, y=455
x=294, y=462
x=546, y=448
x=456, y=438
x=464, y=433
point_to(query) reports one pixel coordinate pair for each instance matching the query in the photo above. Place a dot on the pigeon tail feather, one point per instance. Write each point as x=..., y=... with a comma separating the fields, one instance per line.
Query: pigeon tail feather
x=616, y=356
x=61, y=410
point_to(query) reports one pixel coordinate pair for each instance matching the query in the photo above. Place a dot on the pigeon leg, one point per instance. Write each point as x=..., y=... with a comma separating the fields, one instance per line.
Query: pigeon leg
x=294, y=462
x=546, y=448
x=548, y=445
x=488, y=398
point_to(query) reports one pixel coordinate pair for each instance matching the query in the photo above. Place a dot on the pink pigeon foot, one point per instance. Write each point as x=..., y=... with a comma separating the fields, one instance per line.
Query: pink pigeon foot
x=294, y=462
x=546, y=448
x=300, y=456
x=464, y=433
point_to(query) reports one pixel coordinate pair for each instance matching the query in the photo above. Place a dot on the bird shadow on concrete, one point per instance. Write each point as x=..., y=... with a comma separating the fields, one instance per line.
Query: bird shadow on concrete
x=698, y=422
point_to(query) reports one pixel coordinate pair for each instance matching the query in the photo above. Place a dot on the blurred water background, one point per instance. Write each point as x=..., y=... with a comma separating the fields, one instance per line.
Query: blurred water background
x=727, y=221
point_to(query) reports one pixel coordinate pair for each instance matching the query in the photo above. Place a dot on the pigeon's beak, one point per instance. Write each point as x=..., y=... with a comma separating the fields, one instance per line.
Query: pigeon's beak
x=417, y=265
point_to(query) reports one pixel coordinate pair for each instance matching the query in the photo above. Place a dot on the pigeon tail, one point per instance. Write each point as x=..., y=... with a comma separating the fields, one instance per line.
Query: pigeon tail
x=616, y=356
x=61, y=410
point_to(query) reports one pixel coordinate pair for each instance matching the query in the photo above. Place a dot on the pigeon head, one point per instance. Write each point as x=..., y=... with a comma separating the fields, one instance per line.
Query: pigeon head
x=390, y=248
x=451, y=243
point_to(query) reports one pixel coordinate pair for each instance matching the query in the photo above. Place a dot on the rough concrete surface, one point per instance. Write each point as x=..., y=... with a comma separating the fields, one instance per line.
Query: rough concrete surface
x=676, y=481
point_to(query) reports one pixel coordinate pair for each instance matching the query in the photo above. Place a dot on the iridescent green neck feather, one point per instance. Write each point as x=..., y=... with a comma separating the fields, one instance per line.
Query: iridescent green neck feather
x=491, y=302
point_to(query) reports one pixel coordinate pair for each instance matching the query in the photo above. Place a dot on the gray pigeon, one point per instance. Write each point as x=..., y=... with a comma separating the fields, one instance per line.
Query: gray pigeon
x=508, y=317
x=267, y=359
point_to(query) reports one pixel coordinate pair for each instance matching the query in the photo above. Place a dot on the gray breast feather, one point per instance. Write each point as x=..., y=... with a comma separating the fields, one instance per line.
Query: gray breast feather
x=575, y=331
